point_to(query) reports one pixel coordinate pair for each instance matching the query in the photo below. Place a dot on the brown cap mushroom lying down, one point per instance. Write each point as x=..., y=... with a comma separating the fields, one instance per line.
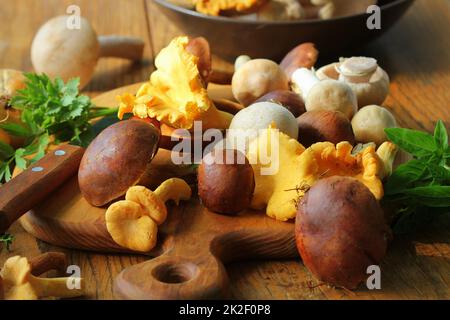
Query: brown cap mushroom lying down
x=19, y=283
x=369, y=82
x=68, y=53
x=116, y=160
x=133, y=222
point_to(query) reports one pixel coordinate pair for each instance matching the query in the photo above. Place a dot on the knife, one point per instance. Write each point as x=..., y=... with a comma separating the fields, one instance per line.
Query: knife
x=36, y=183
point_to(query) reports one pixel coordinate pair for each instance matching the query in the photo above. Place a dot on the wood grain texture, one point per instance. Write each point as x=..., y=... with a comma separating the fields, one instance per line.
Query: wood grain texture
x=416, y=53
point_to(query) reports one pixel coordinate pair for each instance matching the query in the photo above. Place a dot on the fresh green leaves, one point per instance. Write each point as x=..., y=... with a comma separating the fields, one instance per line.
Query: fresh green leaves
x=52, y=112
x=6, y=240
x=422, y=185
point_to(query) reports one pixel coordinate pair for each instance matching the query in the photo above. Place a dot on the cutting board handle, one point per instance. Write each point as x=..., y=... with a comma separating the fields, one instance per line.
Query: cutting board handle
x=33, y=185
x=175, y=277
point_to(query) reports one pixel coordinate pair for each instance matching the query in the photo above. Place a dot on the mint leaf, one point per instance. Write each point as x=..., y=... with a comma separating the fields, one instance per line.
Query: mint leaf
x=20, y=161
x=417, y=143
x=405, y=175
x=432, y=196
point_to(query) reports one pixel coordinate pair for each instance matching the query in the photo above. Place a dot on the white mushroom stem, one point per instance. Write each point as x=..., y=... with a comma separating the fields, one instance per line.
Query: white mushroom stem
x=327, y=9
x=387, y=153
x=357, y=69
x=304, y=79
x=121, y=47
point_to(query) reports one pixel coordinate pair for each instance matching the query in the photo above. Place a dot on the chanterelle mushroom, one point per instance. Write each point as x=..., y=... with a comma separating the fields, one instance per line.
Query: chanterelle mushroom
x=20, y=284
x=227, y=7
x=133, y=222
x=175, y=94
x=369, y=82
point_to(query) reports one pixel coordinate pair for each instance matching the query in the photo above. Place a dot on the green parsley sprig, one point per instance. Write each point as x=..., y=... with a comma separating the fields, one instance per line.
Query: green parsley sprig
x=420, y=187
x=51, y=112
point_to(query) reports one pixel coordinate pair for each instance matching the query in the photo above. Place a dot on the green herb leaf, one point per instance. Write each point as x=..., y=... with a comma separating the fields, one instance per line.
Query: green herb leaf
x=417, y=143
x=6, y=150
x=20, y=161
x=440, y=136
x=15, y=129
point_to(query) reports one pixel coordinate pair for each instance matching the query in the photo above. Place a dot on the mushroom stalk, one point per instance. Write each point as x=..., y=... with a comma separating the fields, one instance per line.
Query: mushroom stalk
x=173, y=189
x=304, y=79
x=56, y=287
x=130, y=48
x=387, y=153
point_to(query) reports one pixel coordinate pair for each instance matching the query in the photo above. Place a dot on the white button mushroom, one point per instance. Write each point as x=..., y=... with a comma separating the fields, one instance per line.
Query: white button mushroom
x=246, y=123
x=69, y=53
x=255, y=78
x=369, y=82
x=326, y=94
x=369, y=123
x=239, y=62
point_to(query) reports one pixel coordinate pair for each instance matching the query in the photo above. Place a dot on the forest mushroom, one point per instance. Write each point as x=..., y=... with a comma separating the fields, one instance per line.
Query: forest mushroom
x=256, y=78
x=286, y=98
x=225, y=181
x=116, y=160
x=369, y=81
x=248, y=122
x=10, y=82
x=20, y=284
x=58, y=50
x=133, y=222
x=176, y=94
x=369, y=124
x=281, y=10
x=304, y=55
x=323, y=125
x=276, y=163
x=342, y=236
x=326, y=94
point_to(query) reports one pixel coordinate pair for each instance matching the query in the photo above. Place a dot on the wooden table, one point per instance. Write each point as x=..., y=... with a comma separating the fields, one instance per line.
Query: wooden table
x=416, y=54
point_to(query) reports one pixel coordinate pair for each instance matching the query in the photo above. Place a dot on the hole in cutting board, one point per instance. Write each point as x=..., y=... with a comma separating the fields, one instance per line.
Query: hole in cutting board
x=172, y=272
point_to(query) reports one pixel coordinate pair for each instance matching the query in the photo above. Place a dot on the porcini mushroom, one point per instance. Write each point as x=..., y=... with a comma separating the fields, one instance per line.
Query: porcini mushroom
x=326, y=94
x=304, y=55
x=133, y=222
x=369, y=123
x=369, y=81
x=58, y=50
x=20, y=284
x=256, y=78
x=116, y=160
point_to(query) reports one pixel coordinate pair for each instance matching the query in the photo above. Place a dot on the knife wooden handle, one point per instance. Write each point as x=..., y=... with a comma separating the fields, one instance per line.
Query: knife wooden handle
x=30, y=187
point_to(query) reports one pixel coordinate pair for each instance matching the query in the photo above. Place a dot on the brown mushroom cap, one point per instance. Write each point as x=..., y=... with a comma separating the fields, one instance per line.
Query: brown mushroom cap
x=288, y=99
x=116, y=160
x=324, y=125
x=340, y=230
x=225, y=184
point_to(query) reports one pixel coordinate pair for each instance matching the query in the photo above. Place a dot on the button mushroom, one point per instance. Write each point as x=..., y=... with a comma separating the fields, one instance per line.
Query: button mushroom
x=255, y=78
x=326, y=94
x=19, y=283
x=68, y=53
x=369, y=123
x=247, y=123
x=133, y=222
x=116, y=160
x=369, y=81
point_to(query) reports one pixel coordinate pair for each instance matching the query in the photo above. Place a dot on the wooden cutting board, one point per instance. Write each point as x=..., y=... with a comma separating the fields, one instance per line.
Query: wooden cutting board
x=193, y=244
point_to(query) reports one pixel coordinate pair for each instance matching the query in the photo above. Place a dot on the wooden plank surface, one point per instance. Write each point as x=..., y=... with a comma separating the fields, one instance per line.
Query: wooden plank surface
x=416, y=54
